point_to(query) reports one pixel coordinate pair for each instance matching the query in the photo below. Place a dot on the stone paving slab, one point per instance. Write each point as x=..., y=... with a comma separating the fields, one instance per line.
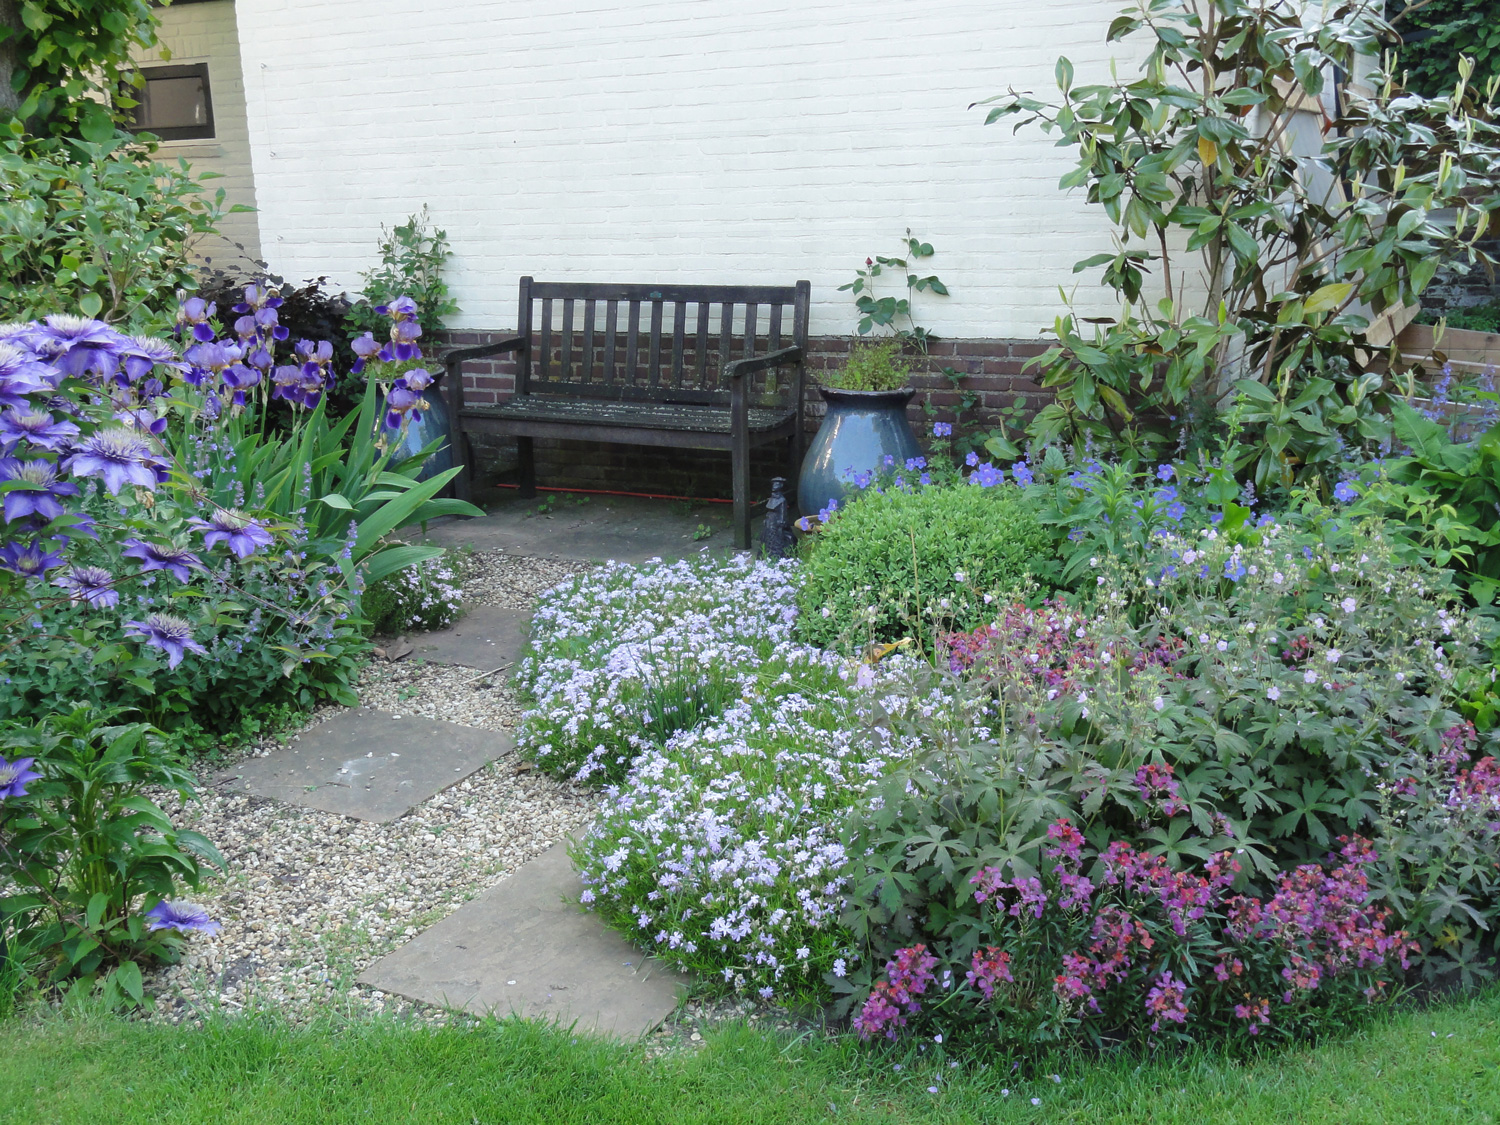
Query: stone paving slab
x=486, y=637
x=369, y=764
x=626, y=529
x=520, y=949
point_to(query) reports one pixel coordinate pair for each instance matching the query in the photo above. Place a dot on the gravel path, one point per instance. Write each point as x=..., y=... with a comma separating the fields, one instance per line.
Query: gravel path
x=312, y=897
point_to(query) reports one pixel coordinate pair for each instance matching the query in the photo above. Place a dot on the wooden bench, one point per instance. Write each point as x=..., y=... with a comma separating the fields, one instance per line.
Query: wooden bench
x=685, y=366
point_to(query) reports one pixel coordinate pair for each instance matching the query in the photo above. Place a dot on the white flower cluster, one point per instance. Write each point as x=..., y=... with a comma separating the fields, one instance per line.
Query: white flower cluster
x=626, y=650
x=719, y=847
x=427, y=595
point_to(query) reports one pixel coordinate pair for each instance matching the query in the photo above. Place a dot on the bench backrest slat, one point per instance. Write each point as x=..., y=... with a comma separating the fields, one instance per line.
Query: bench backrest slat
x=683, y=356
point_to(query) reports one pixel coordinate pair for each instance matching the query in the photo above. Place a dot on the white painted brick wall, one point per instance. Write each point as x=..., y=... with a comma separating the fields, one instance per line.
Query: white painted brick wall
x=693, y=141
x=206, y=33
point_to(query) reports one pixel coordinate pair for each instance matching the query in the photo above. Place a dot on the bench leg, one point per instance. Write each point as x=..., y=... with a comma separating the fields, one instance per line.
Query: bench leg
x=794, y=458
x=463, y=457
x=526, y=456
x=740, y=471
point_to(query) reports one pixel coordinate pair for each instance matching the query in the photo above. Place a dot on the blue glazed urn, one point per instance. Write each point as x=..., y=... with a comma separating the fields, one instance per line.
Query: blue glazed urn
x=860, y=429
x=432, y=424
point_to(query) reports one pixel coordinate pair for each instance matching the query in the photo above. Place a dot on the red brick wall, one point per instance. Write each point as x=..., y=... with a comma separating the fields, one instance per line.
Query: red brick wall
x=989, y=369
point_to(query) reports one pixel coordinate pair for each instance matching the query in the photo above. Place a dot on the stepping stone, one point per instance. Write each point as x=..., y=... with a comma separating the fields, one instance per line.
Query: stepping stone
x=486, y=637
x=369, y=764
x=520, y=949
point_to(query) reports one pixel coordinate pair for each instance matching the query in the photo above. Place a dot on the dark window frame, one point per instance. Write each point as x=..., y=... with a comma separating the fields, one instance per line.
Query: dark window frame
x=203, y=132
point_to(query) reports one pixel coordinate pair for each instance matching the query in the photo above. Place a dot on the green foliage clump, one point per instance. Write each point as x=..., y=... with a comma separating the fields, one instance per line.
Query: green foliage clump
x=1470, y=318
x=101, y=228
x=412, y=259
x=1191, y=177
x=427, y=595
x=1436, y=33
x=1261, y=697
x=85, y=852
x=59, y=58
x=897, y=561
x=872, y=367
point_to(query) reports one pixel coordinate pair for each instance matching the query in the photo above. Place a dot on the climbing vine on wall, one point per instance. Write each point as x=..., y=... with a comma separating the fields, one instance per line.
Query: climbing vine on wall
x=63, y=63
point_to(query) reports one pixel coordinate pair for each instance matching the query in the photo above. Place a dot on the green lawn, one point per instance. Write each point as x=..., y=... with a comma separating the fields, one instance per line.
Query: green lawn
x=1427, y=1067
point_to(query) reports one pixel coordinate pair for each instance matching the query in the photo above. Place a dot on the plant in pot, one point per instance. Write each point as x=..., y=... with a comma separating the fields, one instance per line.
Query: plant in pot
x=865, y=423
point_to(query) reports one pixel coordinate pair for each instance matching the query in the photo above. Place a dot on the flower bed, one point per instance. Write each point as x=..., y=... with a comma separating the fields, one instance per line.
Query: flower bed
x=1220, y=716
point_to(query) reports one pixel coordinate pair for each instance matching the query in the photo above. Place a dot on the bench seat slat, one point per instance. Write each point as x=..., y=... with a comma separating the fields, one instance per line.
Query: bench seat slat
x=676, y=416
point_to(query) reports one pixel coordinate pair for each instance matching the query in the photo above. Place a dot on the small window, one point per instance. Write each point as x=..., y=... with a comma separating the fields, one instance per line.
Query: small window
x=175, y=102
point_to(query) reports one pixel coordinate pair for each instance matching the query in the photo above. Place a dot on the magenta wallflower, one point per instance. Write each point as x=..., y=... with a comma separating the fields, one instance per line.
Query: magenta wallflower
x=177, y=561
x=184, y=917
x=879, y=1016
x=118, y=455
x=986, y=967
x=172, y=635
x=230, y=526
x=1167, y=1000
x=14, y=777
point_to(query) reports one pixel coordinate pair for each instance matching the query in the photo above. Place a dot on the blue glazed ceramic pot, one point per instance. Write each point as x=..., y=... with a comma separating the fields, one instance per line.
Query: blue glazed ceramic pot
x=859, y=430
x=432, y=424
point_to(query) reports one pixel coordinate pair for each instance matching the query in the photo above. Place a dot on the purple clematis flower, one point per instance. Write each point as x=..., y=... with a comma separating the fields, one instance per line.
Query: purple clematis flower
x=172, y=635
x=76, y=345
x=142, y=354
x=23, y=375
x=30, y=560
x=39, y=495
x=34, y=428
x=184, y=917
x=177, y=561
x=92, y=584
x=242, y=534
x=14, y=777
x=119, y=456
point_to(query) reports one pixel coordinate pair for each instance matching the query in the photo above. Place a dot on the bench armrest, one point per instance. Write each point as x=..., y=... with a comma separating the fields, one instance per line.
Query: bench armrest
x=514, y=344
x=738, y=368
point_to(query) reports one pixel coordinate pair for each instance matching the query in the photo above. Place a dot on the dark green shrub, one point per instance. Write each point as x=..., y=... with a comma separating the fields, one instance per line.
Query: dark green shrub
x=897, y=557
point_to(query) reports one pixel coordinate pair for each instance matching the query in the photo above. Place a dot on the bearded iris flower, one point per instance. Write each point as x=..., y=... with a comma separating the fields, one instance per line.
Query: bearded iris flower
x=177, y=561
x=14, y=777
x=172, y=635
x=230, y=526
x=398, y=404
x=184, y=917
x=119, y=456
